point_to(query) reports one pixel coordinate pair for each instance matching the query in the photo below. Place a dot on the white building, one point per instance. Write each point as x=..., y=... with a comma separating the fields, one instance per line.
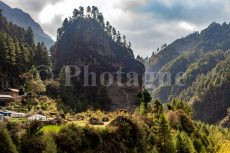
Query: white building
x=17, y=115
x=37, y=118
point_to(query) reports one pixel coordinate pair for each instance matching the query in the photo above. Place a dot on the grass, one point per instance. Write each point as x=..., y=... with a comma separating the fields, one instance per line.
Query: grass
x=85, y=123
x=51, y=128
x=23, y=119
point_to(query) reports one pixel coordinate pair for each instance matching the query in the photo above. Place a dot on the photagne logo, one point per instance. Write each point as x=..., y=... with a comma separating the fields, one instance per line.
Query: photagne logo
x=151, y=80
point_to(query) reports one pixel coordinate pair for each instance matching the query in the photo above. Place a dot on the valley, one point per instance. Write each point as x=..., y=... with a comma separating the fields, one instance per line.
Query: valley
x=87, y=92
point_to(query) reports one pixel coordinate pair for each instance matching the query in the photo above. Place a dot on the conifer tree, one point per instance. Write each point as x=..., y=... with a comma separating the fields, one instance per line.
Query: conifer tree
x=184, y=143
x=165, y=141
x=144, y=98
x=29, y=36
x=114, y=33
x=124, y=41
x=158, y=108
x=88, y=10
x=81, y=11
x=118, y=38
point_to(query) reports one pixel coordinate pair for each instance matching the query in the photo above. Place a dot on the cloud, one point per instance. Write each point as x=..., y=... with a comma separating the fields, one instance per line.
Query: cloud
x=31, y=6
x=52, y=26
x=127, y=5
x=147, y=23
x=199, y=12
x=187, y=26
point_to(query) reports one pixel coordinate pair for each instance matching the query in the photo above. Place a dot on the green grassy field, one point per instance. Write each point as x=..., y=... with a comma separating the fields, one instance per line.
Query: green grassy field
x=18, y=119
x=51, y=128
x=84, y=123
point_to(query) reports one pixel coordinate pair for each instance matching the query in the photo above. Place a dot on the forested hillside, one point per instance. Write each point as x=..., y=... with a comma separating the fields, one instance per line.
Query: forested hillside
x=22, y=19
x=203, y=79
x=18, y=53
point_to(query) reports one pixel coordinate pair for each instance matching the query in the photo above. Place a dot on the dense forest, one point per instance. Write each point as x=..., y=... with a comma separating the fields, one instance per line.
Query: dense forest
x=18, y=53
x=202, y=60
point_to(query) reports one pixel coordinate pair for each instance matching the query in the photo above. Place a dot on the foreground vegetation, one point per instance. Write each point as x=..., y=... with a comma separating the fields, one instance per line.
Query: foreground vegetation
x=151, y=129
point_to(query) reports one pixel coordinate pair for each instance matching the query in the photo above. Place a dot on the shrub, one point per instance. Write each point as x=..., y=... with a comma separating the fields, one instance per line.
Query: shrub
x=6, y=143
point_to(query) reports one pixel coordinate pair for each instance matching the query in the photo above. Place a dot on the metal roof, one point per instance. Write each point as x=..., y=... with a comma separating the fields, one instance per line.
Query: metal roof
x=6, y=96
x=14, y=90
x=37, y=115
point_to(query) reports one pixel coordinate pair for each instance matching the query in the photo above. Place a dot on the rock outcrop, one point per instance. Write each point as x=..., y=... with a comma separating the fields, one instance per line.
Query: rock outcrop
x=84, y=43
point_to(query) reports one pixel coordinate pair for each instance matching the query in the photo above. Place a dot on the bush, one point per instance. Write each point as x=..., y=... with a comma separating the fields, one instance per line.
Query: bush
x=95, y=121
x=69, y=139
x=6, y=143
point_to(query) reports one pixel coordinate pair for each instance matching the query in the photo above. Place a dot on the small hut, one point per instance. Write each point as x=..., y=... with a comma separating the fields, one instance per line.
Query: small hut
x=12, y=92
x=4, y=99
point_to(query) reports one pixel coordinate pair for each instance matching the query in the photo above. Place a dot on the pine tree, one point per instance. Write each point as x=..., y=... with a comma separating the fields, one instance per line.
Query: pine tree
x=41, y=55
x=114, y=33
x=129, y=45
x=81, y=11
x=165, y=142
x=158, y=108
x=95, y=12
x=29, y=36
x=118, y=40
x=101, y=20
x=144, y=98
x=184, y=143
x=108, y=28
x=124, y=41
x=88, y=10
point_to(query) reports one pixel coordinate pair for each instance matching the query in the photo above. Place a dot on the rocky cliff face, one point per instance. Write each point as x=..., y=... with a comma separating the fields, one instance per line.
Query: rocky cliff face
x=24, y=20
x=84, y=43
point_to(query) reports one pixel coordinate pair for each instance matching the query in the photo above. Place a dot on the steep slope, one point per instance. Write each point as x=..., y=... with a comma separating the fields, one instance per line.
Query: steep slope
x=215, y=37
x=210, y=94
x=186, y=64
x=24, y=20
x=85, y=41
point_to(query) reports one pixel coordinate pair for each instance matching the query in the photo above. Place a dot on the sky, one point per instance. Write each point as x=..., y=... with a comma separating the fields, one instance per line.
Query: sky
x=148, y=24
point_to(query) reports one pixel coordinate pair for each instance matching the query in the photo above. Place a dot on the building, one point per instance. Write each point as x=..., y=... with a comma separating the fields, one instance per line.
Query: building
x=4, y=99
x=5, y=113
x=9, y=95
x=12, y=92
x=37, y=118
x=17, y=115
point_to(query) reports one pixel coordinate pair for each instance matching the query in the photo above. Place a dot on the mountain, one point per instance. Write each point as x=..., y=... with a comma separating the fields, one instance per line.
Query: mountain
x=24, y=20
x=195, y=68
x=85, y=40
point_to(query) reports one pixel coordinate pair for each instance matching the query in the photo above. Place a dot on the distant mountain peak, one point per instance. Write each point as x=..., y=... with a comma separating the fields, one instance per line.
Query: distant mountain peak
x=23, y=19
